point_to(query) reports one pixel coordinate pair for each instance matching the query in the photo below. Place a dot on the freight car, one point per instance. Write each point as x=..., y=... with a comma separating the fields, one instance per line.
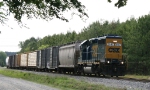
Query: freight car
x=99, y=56
x=7, y=62
x=52, y=58
x=68, y=57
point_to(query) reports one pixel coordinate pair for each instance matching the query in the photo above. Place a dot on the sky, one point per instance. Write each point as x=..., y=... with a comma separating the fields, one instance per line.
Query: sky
x=97, y=10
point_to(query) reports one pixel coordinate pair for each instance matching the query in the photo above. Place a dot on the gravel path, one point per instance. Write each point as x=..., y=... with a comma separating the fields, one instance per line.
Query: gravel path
x=7, y=83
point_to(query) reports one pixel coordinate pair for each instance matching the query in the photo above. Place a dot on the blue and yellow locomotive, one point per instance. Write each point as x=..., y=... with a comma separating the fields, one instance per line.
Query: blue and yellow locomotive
x=102, y=56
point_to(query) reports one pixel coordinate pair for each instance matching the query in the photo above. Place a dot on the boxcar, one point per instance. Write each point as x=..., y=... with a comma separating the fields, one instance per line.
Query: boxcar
x=52, y=58
x=17, y=60
x=12, y=61
x=32, y=60
x=24, y=61
x=41, y=61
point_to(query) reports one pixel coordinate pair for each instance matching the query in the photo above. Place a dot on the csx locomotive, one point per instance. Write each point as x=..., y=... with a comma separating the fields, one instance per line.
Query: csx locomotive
x=99, y=56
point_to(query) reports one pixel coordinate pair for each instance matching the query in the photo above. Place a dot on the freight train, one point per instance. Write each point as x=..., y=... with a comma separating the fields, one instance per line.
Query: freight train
x=99, y=56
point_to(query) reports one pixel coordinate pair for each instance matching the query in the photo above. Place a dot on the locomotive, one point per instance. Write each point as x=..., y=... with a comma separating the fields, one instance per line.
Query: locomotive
x=103, y=55
x=99, y=56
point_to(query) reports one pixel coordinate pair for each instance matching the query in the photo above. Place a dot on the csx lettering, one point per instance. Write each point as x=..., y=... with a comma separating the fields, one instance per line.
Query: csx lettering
x=114, y=50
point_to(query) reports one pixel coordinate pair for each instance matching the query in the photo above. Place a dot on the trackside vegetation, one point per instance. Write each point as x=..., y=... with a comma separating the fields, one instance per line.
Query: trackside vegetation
x=62, y=82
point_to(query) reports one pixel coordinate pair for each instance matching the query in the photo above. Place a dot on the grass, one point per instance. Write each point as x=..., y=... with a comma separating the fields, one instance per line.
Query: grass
x=137, y=76
x=64, y=83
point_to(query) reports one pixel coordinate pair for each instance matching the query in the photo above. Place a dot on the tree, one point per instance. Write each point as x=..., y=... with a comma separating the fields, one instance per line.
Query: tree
x=28, y=45
x=2, y=15
x=120, y=3
x=45, y=9
x=2, y=58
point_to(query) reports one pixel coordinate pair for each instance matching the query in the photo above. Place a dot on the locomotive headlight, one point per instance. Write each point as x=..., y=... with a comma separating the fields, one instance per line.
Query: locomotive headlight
x=122, y=62
x=108, y=62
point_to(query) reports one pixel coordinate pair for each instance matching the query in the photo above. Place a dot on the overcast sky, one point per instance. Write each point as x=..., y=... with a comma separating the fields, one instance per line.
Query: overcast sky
x=96, y=9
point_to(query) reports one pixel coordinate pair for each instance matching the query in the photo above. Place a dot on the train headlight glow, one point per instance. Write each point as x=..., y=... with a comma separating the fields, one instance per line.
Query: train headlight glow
x=122, y=62
x=108, y=62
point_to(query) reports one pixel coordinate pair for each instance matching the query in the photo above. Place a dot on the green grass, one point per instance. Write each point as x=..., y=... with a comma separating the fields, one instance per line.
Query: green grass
x=64, y=83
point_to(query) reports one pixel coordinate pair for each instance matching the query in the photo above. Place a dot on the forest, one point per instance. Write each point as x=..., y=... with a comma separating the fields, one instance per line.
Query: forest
x=134, y=31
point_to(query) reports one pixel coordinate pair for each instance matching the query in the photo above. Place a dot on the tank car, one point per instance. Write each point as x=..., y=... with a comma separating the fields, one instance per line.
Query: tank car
x=7, y=62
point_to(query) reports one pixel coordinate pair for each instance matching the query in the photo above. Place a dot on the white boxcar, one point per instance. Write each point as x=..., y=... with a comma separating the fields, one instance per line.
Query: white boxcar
x=32, y=59
x=23, y=60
